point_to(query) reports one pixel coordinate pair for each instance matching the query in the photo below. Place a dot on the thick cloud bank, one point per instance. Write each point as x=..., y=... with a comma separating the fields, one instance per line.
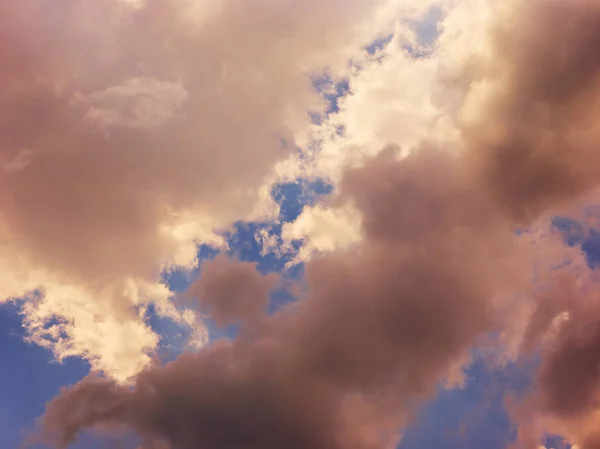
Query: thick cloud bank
x=438, y=265
x=130, y=131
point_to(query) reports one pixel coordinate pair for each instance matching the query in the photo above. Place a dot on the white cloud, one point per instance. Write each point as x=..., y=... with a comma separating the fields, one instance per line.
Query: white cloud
x=322, y=229
x=144, y=103
x=131, y=134
x=412, y=91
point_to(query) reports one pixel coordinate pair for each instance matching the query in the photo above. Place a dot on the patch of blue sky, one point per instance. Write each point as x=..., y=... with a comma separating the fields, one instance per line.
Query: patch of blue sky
x=174, y=337
x=331, y=90
x=553, y=441
x=29, y=377
x=575, y=234
x=241, y=241
x=379, y=44
x=473, y=416
x=98, y=440
x=292, y=197
x=427, y=30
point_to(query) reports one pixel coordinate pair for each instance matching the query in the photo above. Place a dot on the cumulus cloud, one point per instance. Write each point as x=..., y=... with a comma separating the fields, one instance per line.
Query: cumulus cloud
x=405, y=93
x=437, y=267
x=130, y=131
x=139, y=103
x=477, y=86
x=322, y=228
x=232, y=292
x=530, y=120
x=531, y=132
x=373, y=332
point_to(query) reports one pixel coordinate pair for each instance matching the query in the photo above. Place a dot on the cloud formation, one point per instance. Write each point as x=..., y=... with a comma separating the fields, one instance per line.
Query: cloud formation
x=437, y=268
x=381, y=324
x=531, y=132
x=232, y=292
x=530, y=118
x=130, y=131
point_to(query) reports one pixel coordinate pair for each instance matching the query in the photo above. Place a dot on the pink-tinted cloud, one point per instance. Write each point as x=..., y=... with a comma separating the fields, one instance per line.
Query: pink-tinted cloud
x=381, y=324
x=129, y=131
x=384, y=320
x=232, y=292
x=532, y=135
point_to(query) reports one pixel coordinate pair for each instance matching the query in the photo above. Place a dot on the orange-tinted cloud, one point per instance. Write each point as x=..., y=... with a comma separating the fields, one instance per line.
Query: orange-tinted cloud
x=385, y=319
x=382, y=323
x=129, y=131
x=232, y=292
x=530, y=115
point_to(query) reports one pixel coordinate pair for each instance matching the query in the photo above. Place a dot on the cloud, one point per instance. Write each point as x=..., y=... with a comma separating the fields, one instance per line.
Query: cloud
x=479, y=88
x=530, y=119
x=232, y=292
x=322, y=229
x=531, y=133
x=129, y=134
x=373, y=332
x=139, y=103
x=393, y=96
x=437, y=268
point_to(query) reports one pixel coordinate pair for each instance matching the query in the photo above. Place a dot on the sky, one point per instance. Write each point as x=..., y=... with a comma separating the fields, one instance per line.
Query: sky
x=351, y=224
